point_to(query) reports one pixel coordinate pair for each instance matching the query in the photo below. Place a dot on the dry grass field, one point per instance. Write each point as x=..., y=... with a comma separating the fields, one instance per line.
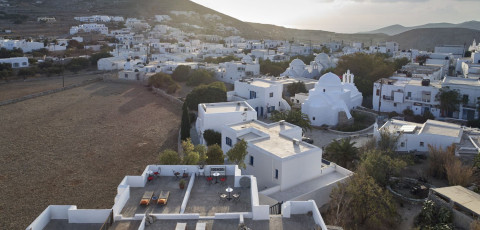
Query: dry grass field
x=75, y=146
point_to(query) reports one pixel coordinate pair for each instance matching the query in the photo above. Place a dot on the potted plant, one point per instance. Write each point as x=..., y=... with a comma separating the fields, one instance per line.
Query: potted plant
x=181, y=184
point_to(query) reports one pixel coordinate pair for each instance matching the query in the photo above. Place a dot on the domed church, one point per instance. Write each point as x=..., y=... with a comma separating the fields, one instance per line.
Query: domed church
x=330, y=97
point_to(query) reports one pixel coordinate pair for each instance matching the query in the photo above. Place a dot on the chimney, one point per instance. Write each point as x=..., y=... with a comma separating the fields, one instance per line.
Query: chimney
x=282, y=122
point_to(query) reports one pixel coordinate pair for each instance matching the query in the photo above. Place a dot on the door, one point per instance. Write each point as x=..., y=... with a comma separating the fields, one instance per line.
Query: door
x=261, y=111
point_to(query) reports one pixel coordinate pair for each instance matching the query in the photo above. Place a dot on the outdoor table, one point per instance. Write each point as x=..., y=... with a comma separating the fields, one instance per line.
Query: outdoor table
x=216, y=174
x=229, y=190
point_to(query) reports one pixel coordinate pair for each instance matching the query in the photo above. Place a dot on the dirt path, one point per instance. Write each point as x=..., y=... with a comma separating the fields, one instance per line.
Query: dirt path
x=75, y=146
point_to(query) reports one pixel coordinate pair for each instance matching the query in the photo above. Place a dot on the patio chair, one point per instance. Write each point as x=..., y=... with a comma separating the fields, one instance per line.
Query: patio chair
x=157, y=173
x=236, y=197
x=223, y=197
x=209, y=180
x=223, y=180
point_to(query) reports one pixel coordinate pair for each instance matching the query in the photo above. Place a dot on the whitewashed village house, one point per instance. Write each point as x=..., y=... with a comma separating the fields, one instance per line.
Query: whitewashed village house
x=263, y=95
x=233, y=71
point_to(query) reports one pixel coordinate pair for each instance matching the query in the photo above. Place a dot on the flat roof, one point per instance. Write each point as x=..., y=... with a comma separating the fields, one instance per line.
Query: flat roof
x=277, y=144
x=225, y=107
x=396, y=125
x=462, y=196
x=461, y=81
x=441, y=128
x=402, y=80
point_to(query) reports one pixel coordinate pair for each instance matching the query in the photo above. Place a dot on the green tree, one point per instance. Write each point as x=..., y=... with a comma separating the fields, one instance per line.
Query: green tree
x=343, y=153
x=163, y=81
x=360, y=203
x=77, y=64
x=237, y=154
x=296, y=87
x=268, y=67
x=202, y=152
x=191, y=158
x=95, y=57
x=381, y=166
x=212, y=137
x=295, y=117
x=169, y=157
x=449, y=100
x=400, y=62
x=185, y=126
x=388, y=141
x=215, y=155
x=199, y=76
x=181, y=73
x=205, y=94
x=367, y=68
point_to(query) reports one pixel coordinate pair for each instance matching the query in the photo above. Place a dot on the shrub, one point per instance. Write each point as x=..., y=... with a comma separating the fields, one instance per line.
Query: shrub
x=181, y=73
x=95, y=57
x=392, y=114
x=438, y=158
x=408, y=112
x=163, y=81
x=205, y=94
x=169, y=157
x=25, y=72
x=200, y=76
x=457, y=174
x=212, y=137
x=434, y=216
x=77, y=64
x=215, y=155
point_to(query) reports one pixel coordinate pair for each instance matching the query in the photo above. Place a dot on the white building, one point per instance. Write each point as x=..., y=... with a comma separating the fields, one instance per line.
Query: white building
x=469, y=90
x=215, y=115
x=399, y=93
x=16, y=62
x=263, y=95
x=456, y=50
x=111, y=63
x=417, y=137
x=330, y=97
x=233, y=71
x=285, y=167
x=196, y=206
x=21, y=44
x=297, y=67
x=425, y=71
x=88, y=28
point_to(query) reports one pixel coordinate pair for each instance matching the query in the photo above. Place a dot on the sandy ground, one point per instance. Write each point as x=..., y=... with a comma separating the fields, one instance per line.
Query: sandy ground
x=74, y=147
x=16, y=89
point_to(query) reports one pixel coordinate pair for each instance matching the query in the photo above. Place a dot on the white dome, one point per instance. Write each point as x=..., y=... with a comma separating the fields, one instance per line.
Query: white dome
x=329, y=79
x=297, y=63
x=322, y=58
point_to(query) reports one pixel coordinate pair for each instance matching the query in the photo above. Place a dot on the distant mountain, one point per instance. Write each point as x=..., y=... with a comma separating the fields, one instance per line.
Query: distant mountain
x=408, y=37
x=397, y=29
x=427, y=39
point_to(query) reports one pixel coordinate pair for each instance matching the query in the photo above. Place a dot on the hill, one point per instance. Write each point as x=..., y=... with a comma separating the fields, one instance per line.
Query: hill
x=64, y=11
x=397, y=29
x=427, y=39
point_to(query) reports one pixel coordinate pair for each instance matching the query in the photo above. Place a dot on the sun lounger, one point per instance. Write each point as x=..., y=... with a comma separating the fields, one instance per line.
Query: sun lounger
x=163, y=197
x=146, y=198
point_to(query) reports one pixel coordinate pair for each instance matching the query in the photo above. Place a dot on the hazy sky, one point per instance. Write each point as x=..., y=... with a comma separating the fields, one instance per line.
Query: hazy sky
x=347, y=16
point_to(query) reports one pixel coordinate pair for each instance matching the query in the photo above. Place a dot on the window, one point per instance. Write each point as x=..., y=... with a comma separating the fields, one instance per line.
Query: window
x=271, y=94
x=402, y=144
x=15, y=65
x=324, y=90
x=251, y=160
x=253, y=95
x=465, y=98
x=126, y=75
x=276, y=173
x=378, y=92
x=422, y=144
x=228, y=141
x=24, y=64
x=394, y=104
x=313, y=118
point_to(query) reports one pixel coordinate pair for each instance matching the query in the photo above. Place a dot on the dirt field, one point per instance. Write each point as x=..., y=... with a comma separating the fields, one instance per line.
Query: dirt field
x=74, y=147
x=16, y=89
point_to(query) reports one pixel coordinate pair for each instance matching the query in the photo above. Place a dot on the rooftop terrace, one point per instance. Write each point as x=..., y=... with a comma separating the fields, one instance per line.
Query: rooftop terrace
x=226, y=107
x=278, y=143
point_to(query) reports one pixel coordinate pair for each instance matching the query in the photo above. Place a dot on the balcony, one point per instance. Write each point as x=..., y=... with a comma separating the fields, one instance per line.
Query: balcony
x=416, y=99
x=387, y=98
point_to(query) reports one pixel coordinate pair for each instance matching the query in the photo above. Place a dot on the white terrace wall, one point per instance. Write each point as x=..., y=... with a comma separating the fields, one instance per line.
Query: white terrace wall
x=167, y=170
x=303, y=207
x=51, y=212
x=260, y=212
x=88, y=215
x=187, y=194
x=123, y=194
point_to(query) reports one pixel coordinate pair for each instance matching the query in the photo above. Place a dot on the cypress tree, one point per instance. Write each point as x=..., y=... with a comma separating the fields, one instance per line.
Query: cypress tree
x=185, y=127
